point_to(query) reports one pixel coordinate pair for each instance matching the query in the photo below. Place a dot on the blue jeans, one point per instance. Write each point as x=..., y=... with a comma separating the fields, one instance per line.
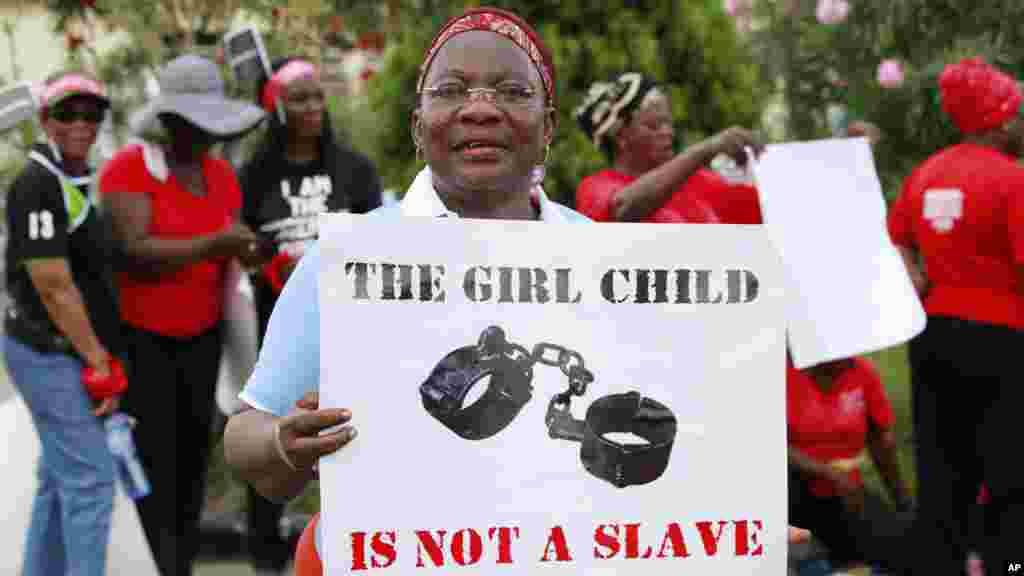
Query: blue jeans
x=74, y=501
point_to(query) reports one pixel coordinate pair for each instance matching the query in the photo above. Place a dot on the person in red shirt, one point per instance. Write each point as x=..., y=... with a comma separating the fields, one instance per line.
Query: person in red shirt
x=630, y=121
x=959, y=225
x=175, y=210
x=837, y=412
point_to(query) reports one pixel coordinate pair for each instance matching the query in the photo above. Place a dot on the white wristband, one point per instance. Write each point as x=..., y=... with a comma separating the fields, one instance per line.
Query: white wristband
x=280, y=447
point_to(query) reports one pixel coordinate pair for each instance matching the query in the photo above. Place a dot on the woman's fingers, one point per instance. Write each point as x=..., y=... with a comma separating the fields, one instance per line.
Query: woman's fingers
x=312, y=449
x=312, y=423
x=798, y=535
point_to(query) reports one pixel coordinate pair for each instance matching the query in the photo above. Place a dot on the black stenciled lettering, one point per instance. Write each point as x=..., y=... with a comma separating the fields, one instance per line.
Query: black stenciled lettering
x=362, y=271
x=403, y=281
x=532, y=286
x=752, y=285
x=704, y=288
x=477, y=290
x=505, y=284
x=429, y=283
x=563, y=287
x=608, y=290
x=683, y=287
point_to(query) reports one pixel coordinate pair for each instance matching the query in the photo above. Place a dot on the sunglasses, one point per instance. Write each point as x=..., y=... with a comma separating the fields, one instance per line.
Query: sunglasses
x=67, y=115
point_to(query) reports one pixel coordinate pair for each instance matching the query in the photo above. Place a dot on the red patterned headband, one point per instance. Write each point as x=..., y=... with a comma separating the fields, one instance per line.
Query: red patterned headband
x=499, y=22
x=282, y=78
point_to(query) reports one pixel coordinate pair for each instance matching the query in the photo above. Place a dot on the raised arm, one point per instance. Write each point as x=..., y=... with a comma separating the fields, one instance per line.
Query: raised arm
x=642, y=197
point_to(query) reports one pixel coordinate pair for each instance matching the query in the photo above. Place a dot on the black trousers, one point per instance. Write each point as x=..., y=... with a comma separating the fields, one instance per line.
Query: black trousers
x=875, y=536
x=968, y=401
x=267, y=550
x=171, y=394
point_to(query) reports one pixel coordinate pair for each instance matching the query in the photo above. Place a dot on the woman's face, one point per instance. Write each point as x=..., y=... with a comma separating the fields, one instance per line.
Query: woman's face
x=482, y=146
x=73, y=124
x=646, y=141
x=188, y=142
x=304, y=107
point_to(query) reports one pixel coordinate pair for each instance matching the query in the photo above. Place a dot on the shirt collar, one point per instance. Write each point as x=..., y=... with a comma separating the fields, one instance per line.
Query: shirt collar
x=422, y=200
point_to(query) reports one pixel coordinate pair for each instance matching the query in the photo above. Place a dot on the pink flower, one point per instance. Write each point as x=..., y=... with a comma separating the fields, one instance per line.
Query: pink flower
x=739, y=8
x=890, y=73
x=832, y=11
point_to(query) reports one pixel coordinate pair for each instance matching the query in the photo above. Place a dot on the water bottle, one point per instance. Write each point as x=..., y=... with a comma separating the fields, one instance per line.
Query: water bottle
x=122, y=446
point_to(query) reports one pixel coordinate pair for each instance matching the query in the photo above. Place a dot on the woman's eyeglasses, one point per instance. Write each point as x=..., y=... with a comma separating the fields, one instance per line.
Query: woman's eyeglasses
x=67, y=115
x=506, y=96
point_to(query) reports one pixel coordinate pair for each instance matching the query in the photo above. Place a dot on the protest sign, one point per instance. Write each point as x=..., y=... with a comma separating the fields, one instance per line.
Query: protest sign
x=848, y=292
x=542, y=398
x=17, y=104
x=247, y=56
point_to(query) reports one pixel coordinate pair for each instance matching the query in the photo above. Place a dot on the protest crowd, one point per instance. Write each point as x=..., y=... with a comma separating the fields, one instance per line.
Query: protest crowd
x=116, y=277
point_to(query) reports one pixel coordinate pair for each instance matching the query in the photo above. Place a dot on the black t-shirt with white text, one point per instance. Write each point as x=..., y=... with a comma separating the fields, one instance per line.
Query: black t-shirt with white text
x=50, y=219
x=282, y=202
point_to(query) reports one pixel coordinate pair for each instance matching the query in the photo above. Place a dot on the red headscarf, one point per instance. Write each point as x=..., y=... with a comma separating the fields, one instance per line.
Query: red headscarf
x=500, y=22
x=977, y=96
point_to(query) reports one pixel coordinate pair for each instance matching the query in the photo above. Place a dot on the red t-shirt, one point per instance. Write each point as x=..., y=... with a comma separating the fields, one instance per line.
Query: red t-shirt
x=732, y=203
x=190, y=300
x=963, y=209
x=833, y=425
x=595, y=193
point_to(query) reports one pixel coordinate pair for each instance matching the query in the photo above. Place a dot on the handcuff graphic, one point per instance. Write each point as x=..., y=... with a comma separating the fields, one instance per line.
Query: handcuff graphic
x=509, y=370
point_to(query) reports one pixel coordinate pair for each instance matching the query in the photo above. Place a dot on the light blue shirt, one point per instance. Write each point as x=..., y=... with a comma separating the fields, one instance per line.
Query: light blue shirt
x=289, y=362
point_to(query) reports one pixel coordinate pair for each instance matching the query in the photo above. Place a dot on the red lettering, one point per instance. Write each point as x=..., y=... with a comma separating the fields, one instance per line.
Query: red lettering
x=707, y=534
x=383, y=549
x=504, y=542
x=358, y=551
x=434, y=549
x=556, y=537
x=744, y=535
x=633, y=542
x=476, y=547
x=601, y=538
x=674, y=536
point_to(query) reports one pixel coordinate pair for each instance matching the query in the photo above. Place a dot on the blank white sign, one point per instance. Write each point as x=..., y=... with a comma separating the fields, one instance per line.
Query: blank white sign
x=848, y=292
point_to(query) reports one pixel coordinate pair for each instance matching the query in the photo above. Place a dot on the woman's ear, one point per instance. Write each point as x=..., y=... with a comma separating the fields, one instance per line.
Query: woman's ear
x=415, y=126
x=550, y=125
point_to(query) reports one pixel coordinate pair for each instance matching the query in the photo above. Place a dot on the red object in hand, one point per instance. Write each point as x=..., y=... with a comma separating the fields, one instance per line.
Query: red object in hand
x=274, y=270
x=100, y=388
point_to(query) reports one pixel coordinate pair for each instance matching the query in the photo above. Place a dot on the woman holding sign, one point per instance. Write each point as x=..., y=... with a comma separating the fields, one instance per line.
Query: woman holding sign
x=485, y=116
x=961, y=213
x=299, y=172
x=62, y=332
x=630, y=120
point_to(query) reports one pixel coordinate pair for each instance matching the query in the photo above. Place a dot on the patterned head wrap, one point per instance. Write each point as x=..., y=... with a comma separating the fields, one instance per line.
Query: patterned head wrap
x=607, y=104
x=977, y=96
x=506, y=24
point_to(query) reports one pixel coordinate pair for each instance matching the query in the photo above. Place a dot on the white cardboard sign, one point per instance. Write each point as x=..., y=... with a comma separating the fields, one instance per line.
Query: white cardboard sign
x=458, y=468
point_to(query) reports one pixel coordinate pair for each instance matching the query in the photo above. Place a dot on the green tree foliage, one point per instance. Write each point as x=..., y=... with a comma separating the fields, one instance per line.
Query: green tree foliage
x=837, y=64
x=691, y=46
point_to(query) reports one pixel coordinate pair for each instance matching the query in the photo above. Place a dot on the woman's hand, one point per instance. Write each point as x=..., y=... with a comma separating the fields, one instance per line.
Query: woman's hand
x=299, y=438
x=240, y=242
x=734, y=142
